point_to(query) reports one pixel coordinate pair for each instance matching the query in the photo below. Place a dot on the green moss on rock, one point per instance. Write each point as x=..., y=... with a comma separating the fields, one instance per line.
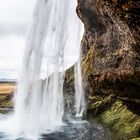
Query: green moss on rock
x=136, y=139
x=121, y=121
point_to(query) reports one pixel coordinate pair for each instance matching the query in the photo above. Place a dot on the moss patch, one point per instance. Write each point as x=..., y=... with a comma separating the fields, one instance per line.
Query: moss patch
x=121, y=121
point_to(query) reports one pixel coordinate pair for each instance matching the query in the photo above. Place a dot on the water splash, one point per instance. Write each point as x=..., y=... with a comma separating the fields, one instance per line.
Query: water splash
x=52, y=47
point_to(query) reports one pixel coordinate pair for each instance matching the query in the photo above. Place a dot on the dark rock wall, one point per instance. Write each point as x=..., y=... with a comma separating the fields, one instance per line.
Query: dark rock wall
x=112, y=34
x=111, y=55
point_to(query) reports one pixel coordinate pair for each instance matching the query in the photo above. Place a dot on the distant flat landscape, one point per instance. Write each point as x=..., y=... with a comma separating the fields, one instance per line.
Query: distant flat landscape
x=8, y=80
x=7, y=89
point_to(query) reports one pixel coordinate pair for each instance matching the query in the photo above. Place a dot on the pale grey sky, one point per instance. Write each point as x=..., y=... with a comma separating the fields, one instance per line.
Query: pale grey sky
x=15, y=21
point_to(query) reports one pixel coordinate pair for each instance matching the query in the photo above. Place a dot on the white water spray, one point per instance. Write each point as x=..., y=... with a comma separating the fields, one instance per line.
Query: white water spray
x=79, y=93
x=52, y=47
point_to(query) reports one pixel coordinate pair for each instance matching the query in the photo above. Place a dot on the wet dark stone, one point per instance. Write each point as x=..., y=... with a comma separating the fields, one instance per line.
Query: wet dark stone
x=78, y=131
x=81, y=130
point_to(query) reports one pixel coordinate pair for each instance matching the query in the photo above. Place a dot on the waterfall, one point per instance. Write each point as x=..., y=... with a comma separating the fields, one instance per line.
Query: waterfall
x=79, y=93
x=52, y=47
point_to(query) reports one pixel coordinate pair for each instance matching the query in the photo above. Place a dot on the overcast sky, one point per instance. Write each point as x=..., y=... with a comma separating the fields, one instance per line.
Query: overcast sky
x=15, y=21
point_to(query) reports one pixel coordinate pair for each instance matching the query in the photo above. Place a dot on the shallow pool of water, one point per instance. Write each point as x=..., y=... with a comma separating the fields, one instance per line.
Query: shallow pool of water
x=72, y=130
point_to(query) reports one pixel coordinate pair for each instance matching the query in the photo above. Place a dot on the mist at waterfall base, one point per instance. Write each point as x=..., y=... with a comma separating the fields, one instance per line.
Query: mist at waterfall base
x=52, y=47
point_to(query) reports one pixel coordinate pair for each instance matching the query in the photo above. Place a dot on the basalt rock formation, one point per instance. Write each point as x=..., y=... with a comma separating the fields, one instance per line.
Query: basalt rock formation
x=111, y=63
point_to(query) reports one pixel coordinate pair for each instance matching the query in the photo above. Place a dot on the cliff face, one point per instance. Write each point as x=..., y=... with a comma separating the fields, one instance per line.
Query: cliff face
x=111, y=62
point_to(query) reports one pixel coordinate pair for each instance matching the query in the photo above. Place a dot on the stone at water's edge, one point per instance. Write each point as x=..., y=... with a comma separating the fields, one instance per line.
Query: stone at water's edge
x=111, y=63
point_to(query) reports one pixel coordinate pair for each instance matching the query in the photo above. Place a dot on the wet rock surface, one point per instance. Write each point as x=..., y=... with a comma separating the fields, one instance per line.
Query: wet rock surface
x=69, y=91
x=81, y=130
x=111, y=63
